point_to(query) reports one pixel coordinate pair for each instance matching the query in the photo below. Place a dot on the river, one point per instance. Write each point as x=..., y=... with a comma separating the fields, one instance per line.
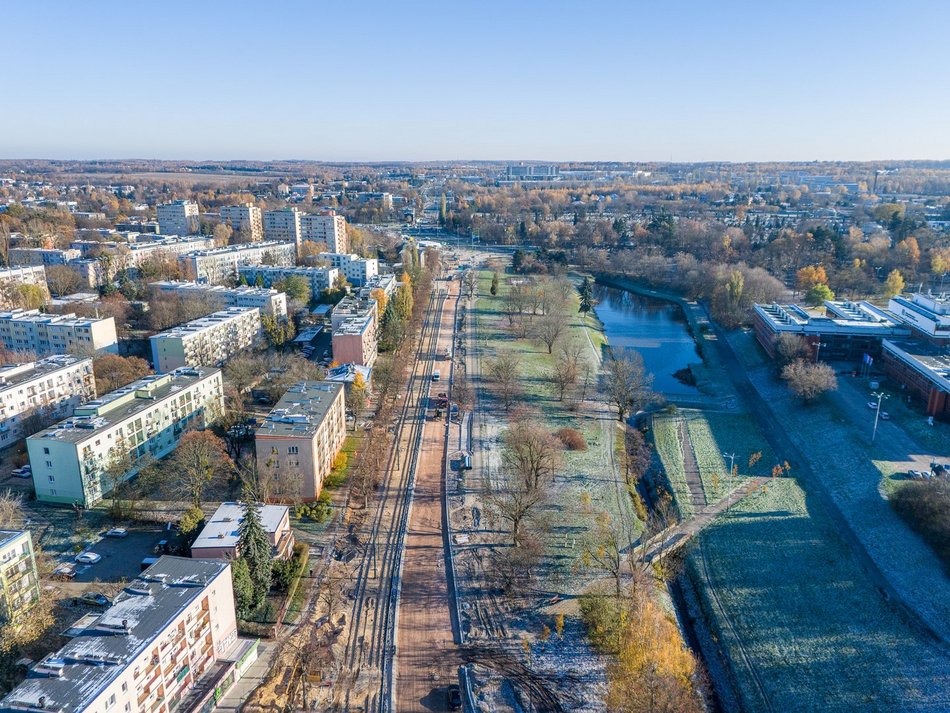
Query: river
x=656, y=329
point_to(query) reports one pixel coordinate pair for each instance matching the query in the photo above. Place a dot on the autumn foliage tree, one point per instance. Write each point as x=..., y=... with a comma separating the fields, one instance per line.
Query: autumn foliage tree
x=113, y=371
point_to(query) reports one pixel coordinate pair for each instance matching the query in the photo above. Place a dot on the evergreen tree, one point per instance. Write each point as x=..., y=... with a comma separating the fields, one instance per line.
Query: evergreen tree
x=443, y=211
x=391, y=329
x=243, y=587
x=494, y=284
x=254, y=547
x=586, y=292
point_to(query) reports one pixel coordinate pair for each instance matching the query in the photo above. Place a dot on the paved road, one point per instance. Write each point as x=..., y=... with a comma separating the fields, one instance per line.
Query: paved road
x=426, y=660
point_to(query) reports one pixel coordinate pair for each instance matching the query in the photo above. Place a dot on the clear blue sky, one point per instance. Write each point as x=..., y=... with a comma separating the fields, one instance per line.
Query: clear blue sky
x=365, y=80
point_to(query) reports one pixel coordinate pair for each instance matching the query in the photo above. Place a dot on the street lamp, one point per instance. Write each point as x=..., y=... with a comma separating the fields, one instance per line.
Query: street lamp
x=877, y=414
x=732, y=461
x=818, y=349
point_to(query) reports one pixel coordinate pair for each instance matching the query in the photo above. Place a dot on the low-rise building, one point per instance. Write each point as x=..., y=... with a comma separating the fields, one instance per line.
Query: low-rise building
x=79, y=459
x=358, y=270
x=927, y=316
x=270, y=302
x=319, y=278
x=302, y=435
x=19, y=580
x=221, y=264
x=35, y=393
x=168, y=642
x=47, y=334
x=219, y=537
x=328, y=228
x=923, y=369
x=207, y=341
x=244, y=218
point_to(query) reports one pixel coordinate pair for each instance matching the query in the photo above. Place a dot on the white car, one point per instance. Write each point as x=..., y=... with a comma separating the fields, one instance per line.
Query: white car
x=872, y=404
x=885, y=416
x=88, y=558
x=117, y=532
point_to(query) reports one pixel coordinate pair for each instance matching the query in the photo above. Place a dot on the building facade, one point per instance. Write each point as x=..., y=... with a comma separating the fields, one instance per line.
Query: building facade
x=354, y=342
x=302, y=435
x=40, y=391
x=178, y=218
x=42, y=256
x=283, y=225
x=28, y=275
x=244, y=218
x=222, y=264
x=171, y=632
x=19, y=579
x=219, y=538
x=358, y=270
x=207, y=341
x=72, y=460
x=48, y=334
x=328, y=228
x=319, y=278
x=270, y=302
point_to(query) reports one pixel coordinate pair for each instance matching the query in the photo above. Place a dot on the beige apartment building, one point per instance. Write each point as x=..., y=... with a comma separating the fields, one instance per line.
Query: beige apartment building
x=35, y=391
x=302, y=434
x=178, y=218
x=268, y=301
x=207, y=341
x=222, y=264
x=19, y=579
x=283, y=224
x=245, y=218
x=47, y=334
x=328, y=228
x=166, y=643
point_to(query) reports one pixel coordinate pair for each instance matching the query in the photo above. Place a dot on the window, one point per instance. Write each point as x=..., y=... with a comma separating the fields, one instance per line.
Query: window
x=49, y=464
x=292, y=450
x=52, y=479
x=46, y=451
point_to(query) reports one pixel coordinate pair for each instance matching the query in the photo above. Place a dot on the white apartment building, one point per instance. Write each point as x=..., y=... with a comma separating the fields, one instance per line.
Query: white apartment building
x=47, y=389
x=352, y=307
x=358, y=270
x=270, y=302
x=166, y=643
x=69, y=459
x=387, y=283
x=221, y=264
x=282, y=225
x=207, y=341
x=19, y=580
x=246, y=217
x=320, y=278
x=47, y=334
x=42, y=256
x=328, y=228
x=29, y=275
x=133, y=254
x=178, y=218
x=302, y=434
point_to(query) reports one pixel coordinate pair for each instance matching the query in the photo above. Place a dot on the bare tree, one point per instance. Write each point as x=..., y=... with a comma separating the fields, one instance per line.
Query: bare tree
x=808, y=380
x=550, y=327
x=789, y=347
x=470, y=282
x=567, y=368
x=11, y=510
x=504, y=374
x=62, y=280
x=626, y=382
x=200, y=460
x=607, y=548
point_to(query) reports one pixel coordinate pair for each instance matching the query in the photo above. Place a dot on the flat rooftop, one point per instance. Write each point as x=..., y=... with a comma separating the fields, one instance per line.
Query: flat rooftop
x=931, y=361
x=239, y=248
x=117, y=406
x=840, y=317
x=301, y=410
x=34, y=315
x=8, y=536
x=70, y=679
x=184, y=286
x=12, y=375
x=222, y=527
x=203, y=323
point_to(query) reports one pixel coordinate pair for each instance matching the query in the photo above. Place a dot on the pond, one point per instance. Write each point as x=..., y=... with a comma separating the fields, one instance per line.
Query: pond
x=656, y=329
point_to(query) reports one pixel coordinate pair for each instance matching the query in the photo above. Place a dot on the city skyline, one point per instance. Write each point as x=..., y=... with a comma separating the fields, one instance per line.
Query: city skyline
x=733, y=82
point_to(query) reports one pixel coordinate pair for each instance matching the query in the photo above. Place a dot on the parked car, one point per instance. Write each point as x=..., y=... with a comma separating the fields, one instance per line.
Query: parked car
x=21, y=473
x=65, y=571
x=454, y=696
x=96, y=599
x=885, y=416
x=117, y=532
x=88, y=557
x=872, y=404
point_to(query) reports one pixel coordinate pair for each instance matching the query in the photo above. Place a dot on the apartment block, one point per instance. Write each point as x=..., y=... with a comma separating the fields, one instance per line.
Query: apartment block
x=355, y=342
x=133, y=254
x=19, y=580
x=303, y=433
x=219, y=538
x=245, y=218
x=221, y=264
x=39, y=391
x=352, y=307
x=270, y=302
x=178, y=218
x=387, y=283
x=358, y=270
x=28, y=275
x=148, y=416
x=320, y=278
x=47, y=334
x=42, y=256
x=283, y=225
x=328, y=228
x=207, y=341
x=169, y=642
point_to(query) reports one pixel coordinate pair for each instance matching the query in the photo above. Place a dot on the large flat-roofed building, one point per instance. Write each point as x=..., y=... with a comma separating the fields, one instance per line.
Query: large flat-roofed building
x=302, y=434
x=221, y=264
x=354, y=341
x=358, y=270
x=532, y=172
x=319, y=278
x=352, y=307
x=328, y=228
x=19, y=580
x=387, y=283
x=69, y=460
x=928, y=316
x=47, y=334
x=178, y=218
x=133, y=254
x=168, y=640
x=847, y=330
x=283, y=225
x=207, y=341
x=27, y=275
x=246, y=219
x=42, y=256
x=219, y=538
x=924, y=369
x=270, y=302
x=42, y=391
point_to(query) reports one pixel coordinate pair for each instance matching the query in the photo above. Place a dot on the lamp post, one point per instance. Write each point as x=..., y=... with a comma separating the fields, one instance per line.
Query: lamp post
x=818, y=349
x=732, y=461
x=877, y=414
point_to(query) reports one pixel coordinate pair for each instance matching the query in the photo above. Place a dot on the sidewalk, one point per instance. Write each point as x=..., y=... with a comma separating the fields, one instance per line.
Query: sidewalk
x=252, y=678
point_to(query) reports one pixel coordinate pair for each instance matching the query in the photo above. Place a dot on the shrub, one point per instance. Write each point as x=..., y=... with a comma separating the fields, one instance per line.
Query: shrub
x=925, y=506
x=572, y=439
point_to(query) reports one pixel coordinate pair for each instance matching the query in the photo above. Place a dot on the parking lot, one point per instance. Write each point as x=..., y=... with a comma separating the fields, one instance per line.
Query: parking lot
x=121, y=557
